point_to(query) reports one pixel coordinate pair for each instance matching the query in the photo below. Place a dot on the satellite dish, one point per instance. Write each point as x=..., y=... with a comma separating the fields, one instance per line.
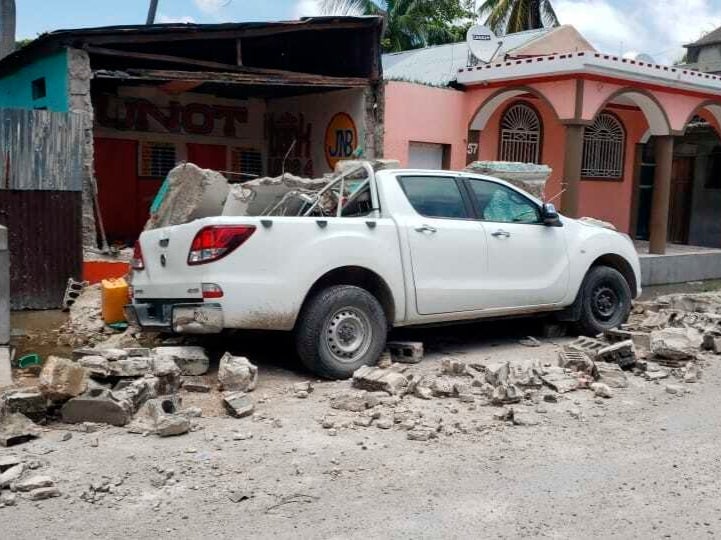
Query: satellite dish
x=483, y=43
x=640, y=57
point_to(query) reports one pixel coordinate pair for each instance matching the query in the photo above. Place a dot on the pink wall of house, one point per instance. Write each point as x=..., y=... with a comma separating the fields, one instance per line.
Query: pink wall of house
x=418, y=113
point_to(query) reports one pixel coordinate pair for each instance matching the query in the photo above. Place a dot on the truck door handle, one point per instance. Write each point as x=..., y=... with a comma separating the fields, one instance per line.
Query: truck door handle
x=426, y=228
x=500, y=233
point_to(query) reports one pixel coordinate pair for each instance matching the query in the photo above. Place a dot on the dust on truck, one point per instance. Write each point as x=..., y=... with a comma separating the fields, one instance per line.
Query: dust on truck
x=372, y=250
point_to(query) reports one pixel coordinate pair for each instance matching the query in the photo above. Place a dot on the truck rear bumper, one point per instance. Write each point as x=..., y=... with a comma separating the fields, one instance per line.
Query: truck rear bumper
x=178, y=318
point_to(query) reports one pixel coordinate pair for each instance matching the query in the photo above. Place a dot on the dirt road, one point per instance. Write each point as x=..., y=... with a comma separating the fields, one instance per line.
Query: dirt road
x=643, y=464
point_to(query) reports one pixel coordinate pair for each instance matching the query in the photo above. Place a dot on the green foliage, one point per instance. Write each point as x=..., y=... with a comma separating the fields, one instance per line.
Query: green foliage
x=412, y=24
x=510, y=16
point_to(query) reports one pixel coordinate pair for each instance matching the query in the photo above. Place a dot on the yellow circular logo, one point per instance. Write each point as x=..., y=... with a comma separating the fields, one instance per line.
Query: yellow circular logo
x=341, y=139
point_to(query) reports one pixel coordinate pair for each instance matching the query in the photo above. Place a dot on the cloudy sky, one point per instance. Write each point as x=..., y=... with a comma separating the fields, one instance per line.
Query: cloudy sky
x=657, y=27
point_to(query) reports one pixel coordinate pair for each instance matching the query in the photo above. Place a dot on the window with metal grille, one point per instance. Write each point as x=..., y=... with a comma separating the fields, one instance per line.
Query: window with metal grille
x=246, y=163
x=521, y=134
x=156, y=159
x=603, y=148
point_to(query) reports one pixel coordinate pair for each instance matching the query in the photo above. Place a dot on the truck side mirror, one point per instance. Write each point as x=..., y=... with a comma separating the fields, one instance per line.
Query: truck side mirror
x=550, y=216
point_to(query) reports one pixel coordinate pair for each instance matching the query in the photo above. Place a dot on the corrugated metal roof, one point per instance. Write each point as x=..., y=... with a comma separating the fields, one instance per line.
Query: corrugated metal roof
x=439, y=65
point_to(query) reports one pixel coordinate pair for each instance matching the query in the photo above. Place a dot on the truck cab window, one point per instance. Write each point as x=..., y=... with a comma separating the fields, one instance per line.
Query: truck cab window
x=434, y=196
x=500, y=204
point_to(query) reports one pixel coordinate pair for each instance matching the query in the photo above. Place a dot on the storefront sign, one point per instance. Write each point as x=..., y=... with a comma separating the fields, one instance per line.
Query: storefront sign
x=139, y=114
x=341, y=139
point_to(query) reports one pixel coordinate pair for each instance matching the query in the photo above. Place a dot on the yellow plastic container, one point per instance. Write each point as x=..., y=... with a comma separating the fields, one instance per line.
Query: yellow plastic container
x=114, y=297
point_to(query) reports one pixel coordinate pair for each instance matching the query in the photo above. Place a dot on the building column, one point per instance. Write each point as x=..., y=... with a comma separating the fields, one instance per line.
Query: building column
x=571, y=181
x=663, y=150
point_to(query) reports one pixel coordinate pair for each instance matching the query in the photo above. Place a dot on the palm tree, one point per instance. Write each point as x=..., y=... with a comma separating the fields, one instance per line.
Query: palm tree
x=7, y=27
x=410, y=24
x=510, y=16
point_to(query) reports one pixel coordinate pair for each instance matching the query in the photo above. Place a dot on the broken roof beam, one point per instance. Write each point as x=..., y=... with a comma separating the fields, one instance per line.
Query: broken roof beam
x=256, y=77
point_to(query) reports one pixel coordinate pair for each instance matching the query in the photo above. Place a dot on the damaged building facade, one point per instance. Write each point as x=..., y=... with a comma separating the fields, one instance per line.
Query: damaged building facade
x=249, y=100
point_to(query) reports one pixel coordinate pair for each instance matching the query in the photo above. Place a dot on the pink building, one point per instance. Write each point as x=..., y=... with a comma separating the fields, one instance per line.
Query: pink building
x=629, y=141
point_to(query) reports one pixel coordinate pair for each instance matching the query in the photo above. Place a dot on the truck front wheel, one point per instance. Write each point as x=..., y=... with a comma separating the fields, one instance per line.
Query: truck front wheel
x=339, y=330
x=605, y=301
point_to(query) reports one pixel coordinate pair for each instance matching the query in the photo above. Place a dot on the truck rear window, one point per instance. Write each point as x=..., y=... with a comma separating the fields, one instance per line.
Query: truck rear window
x=434, y=196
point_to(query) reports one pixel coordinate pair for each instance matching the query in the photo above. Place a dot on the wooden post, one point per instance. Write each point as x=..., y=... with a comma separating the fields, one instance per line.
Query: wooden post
x=572, y=162
x=661, y=194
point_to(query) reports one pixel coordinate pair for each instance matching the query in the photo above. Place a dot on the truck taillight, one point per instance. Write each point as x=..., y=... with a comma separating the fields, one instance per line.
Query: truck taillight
x=137, y=262
x=216, y=241
x=212, y=290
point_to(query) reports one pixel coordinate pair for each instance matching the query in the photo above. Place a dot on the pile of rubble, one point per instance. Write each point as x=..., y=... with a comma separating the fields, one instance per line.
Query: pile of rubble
x=137, y=388
x=667, y=339
x=18, y=477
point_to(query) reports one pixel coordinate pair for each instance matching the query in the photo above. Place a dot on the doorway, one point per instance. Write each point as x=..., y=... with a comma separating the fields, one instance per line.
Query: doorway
x=679, y=218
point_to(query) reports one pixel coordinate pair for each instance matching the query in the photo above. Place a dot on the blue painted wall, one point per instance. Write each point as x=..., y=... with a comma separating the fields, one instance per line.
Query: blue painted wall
x=16, y=87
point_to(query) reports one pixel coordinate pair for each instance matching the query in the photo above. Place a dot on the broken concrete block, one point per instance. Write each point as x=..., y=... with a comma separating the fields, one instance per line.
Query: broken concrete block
x=622, y=353
x=238, y=404
x=41, y=494
x=601, y=390
x=354, y=402
x=190, y=360
x=8, y=499
x=62, y=379
x=443, y=387
x=504, y=394
x=587, y=345
x=497, y=373
x=15, y=429
x=712, y=342
x=641, y=340
x=138, y=391
x=612, y=375
x=11, y=475
x=8, y=461
x=420, y=434
x=577, y=361
x=29, y=402
x=525, y=376
x=376, y=379
x=158, y=416
x=109, y=353
x=96, y=366
x=236, y=373
x=168, y=374
x=34, y=482
x=195, y=385
x=406, y=352
x=98, y=405
x=453, y=367
x=560, y=382
x=676, y=344
x=192, y=193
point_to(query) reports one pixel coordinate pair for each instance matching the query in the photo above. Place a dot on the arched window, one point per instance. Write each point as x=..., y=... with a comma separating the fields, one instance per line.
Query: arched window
x=521, y=132
x=603, y=148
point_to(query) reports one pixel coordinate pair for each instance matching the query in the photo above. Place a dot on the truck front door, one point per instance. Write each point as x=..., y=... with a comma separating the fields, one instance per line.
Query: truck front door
x=448, y=246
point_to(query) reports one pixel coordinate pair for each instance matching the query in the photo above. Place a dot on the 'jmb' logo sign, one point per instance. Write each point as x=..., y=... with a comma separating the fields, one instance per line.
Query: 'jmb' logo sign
x=341, y=139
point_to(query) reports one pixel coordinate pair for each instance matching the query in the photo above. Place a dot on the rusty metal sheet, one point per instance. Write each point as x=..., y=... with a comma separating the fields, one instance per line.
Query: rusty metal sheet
x=45, y=241
x=41, y=150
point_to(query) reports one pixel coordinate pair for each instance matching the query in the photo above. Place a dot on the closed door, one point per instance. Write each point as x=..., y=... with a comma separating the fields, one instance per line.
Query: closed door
x=527, y=260
x=448, y=247
x=208, y=156
x=425, y=156
x=681, y=196
x=117, y=176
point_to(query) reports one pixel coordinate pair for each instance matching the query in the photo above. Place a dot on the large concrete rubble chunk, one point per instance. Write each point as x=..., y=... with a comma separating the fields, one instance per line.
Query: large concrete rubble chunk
x=168, y=374
x=529, y=177
x=406, y=352
x=190, y=193
x=389, y=380
x=622, y=353
x=256, y=197
x=190, y=360
x=98, y=405
x=238, y=404
x=354, y=402
x=28, y=401
x=676, y=344
x=15, y=429
x=577, y=361
x=612, y=375
x=497, y=373
x=560, y=382
x=159, y=416
x=62, y=379
x=101, y=368
x=236, y=373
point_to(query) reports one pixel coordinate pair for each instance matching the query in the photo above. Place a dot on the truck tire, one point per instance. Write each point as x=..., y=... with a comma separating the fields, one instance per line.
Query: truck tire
x=339, y=330
x=605, y=301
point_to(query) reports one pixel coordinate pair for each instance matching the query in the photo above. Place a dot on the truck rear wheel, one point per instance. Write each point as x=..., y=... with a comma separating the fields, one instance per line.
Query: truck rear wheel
x=605, y=301
x=339, y=330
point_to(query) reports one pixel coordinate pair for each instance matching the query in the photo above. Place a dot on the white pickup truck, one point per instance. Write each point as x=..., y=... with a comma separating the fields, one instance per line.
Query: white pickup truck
x=406, y=247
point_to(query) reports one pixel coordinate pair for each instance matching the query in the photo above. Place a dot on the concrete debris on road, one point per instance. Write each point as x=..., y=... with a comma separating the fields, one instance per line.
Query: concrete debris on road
x=236, y=373
x=390, y=380
x=62, y=379
x=238, y=404
x=16, y=428
x=190, y=359
x=159, y=416
x=676, y=346
x=406, y=352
